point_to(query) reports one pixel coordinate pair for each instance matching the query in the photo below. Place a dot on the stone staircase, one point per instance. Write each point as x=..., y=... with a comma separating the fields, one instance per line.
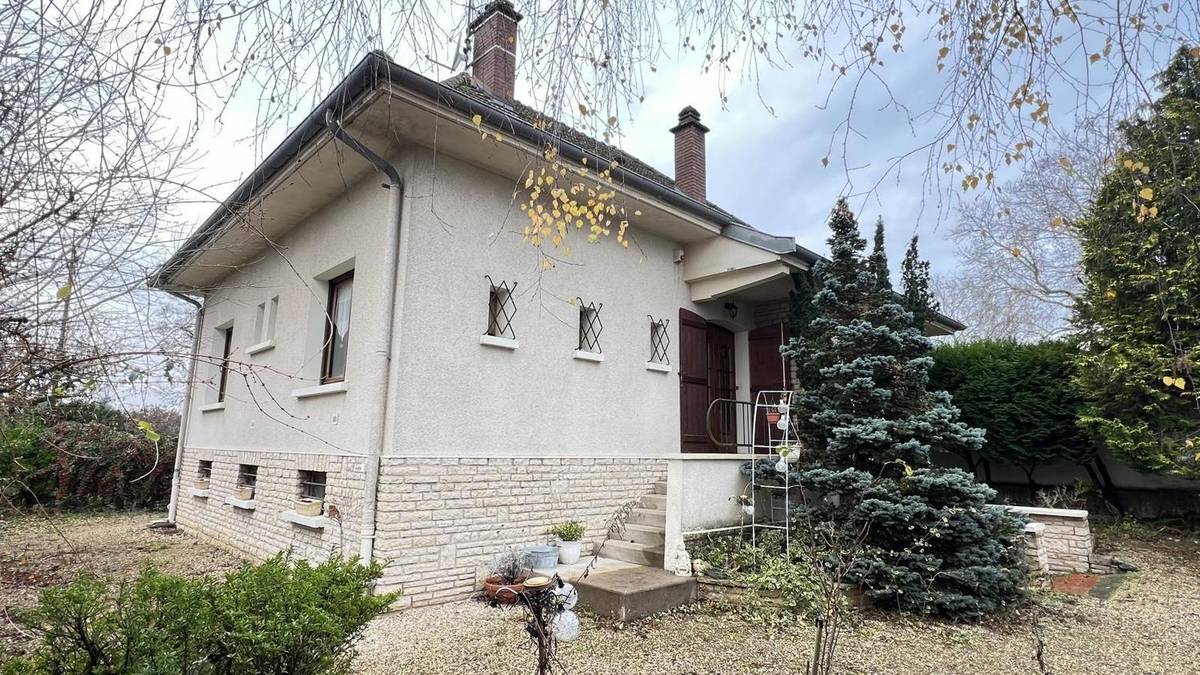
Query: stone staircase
x=643, y=540
x=632, y=591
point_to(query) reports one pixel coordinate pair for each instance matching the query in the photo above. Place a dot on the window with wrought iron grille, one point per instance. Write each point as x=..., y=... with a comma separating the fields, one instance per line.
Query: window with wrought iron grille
x=590, y=326
x=247, y=475
x=312, y=485
x=205, y=469
x=501, y=309
x=660, y=340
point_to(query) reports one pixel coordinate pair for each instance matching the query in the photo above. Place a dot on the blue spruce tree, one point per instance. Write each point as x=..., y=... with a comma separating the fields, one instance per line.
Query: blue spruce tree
x=925, y=539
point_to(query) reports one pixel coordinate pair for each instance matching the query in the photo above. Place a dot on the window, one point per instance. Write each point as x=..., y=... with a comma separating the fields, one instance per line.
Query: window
x=226, y=337
x=337, y=328
x=247, y=477
x=501, y=309
x=589, y=326
x=205, y=469
x=264, y=320
x=312, y=485
x=660, y=340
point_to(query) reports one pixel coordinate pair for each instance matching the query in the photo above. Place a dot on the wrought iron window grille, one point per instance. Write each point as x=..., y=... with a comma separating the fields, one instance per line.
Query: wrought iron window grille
x=660, y=340
x=590, y=326
x=247, y=475
x=501, y=309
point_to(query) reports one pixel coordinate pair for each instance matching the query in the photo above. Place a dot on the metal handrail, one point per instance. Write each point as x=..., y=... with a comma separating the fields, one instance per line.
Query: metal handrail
x=735, y=424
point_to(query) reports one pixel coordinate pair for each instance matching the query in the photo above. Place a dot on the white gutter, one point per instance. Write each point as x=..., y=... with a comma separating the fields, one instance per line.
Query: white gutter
x=186, y=414
x=382, y=352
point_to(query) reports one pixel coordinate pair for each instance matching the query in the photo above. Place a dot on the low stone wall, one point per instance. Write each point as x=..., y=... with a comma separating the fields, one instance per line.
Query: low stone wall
x=262, y=532
x=441, y=520
x=1057, y=540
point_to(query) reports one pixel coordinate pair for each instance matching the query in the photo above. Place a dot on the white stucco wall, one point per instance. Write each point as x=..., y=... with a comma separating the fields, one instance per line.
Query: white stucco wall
x=260, y=411
x=457, y=397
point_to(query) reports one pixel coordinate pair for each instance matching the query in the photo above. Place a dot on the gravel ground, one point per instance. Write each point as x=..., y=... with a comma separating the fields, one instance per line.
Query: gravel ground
x=38, y=551
x=1151, y=624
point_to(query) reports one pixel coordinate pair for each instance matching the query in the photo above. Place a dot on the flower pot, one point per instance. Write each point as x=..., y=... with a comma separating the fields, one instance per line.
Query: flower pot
x=772, y=416
x=244, y=493
x=309, y=507
x=541, y=557
x=506, y=594
x=568, y=551
x=201, y=484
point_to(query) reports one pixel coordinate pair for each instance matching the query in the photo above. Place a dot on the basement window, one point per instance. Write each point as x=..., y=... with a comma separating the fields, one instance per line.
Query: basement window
x=312, y=485
x=247, y=477
x=204, y=471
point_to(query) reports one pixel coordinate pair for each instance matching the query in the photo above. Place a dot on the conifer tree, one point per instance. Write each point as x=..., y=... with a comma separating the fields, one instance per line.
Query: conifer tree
x=914, y=280
x=878, y=260
x=1139, y=314
x=869, y=425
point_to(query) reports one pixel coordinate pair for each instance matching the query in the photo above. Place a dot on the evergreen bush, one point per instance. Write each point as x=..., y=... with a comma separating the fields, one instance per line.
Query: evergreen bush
x=1025, y=396
x=925, y=541
x=282, y=616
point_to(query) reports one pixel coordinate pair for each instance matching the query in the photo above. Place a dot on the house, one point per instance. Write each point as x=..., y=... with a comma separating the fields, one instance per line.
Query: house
x=377, y=336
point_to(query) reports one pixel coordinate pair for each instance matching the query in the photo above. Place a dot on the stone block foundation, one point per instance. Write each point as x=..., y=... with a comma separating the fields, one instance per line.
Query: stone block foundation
x=441, y=520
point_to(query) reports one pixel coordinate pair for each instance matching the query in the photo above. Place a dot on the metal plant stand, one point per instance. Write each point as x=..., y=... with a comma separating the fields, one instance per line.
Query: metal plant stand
x=765, y=447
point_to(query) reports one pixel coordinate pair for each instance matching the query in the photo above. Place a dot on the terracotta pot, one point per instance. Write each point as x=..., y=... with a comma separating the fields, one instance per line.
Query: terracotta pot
x=505, y=594
x=772, y=416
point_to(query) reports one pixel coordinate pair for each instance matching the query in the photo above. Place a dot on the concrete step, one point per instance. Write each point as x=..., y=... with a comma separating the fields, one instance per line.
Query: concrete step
x=656, y=502
x=647, y=517
x=639, y=554
x=651, y=535
x=660, y=488
x=634, y=592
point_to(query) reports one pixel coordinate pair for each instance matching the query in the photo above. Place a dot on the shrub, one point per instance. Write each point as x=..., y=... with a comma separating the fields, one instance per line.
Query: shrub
x=105, y=465
x=283, y=616
x=571, y=530
x=27, y=465
x=781, y=586
x=931, y=544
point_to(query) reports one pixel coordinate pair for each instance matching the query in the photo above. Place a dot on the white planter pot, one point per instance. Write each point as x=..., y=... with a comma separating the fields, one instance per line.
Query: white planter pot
x=568, y=551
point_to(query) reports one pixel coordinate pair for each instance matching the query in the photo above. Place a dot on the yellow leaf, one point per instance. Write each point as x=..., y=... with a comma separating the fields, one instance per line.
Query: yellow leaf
x=1168, y=380
x=64, y=292
x=1066, y=165
x=477, y=119
x=546, y=264
x=1180, y=383
x=1146, y=193
x=1111, y=294
x=147, y=428
x=1128, y=164
x=1094, y=58
x=1015, y=251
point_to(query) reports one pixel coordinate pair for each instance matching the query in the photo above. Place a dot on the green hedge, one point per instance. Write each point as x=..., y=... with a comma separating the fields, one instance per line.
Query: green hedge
x=1024, y=395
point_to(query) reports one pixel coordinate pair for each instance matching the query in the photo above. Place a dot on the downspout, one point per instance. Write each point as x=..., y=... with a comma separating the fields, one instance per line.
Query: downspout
x=382, y=352
x=186, y=414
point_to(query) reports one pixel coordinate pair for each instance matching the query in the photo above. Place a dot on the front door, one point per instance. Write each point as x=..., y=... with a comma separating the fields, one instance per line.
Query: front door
x=706, y=373
x=768, y=368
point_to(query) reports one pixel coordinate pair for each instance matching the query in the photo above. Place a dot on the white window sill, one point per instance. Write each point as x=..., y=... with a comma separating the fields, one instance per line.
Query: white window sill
x=658, y=367
x=589, y=356
x=311, y=522
x=212, y=407
x=261, y=347
x=243, y=504
x=321, y=390
x=497, y=341
x=201, y=494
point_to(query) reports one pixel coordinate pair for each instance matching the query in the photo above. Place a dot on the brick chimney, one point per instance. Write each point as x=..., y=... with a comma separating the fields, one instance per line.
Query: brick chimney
x=689, y=154
x=494, y=39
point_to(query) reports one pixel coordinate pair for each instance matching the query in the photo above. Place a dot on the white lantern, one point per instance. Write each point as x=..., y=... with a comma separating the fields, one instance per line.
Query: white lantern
x=567, y=595
x=566, y=626
x=781, y=465
x=782, y=408
x=748, y=509
x=782, y=424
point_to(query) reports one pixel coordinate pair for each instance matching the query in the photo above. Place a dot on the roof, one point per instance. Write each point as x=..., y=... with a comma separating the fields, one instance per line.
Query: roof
x=463, y=94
